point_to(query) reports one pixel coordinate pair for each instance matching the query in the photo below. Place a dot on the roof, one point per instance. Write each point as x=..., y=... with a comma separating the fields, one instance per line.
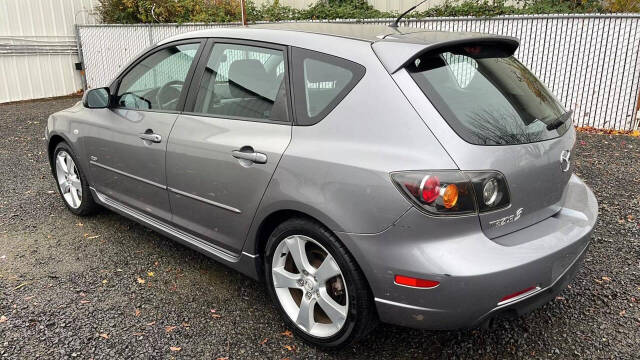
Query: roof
x=393, y=46
x=364, y=32
x=375, y=33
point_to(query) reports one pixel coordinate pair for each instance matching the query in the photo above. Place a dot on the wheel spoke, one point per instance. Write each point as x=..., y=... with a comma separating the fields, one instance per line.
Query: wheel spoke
x=61, y=164
x=75, y=199
x=297, y=250
x=305, y=315
x=75, y=182
x=328, y=269
x=336, y=312
x=69, y=163
x=285, y=279
x=64, y=186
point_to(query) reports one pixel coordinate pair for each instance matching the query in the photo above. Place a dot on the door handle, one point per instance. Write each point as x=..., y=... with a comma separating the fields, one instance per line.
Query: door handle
x=254, y=157
x=155, y=138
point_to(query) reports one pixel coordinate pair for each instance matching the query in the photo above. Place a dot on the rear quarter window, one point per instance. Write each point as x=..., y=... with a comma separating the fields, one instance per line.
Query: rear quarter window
x=488, y=97
x=321, y=82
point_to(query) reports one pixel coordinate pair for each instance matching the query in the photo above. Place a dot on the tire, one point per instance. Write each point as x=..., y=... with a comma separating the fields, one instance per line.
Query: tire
x=71, y=182
x=324, y=329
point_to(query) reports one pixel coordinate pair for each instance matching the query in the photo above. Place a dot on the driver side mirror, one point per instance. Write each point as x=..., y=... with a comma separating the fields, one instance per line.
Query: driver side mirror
x=97, y=98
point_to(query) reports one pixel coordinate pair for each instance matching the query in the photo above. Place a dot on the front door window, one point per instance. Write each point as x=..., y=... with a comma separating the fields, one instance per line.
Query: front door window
x=156, y=82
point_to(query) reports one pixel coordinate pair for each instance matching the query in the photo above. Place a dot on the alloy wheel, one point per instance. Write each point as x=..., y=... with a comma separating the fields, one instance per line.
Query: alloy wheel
x=309, y=285
x=68, y=179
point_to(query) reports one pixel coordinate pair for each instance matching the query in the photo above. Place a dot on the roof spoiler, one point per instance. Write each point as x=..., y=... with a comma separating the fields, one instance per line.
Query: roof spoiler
x=395, y=54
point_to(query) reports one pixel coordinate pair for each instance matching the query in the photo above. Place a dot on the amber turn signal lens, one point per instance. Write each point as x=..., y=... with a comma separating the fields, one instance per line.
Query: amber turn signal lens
x=450, y=196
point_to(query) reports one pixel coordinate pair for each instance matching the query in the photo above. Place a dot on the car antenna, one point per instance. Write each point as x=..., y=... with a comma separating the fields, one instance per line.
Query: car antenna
x=395, y=23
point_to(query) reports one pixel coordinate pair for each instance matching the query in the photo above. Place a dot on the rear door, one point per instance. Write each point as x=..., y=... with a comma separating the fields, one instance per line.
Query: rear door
x=127, y=142
x=224, y=149
x=491, y=113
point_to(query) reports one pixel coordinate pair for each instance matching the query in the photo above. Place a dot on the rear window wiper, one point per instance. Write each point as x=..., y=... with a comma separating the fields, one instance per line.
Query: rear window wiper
x=559, y=121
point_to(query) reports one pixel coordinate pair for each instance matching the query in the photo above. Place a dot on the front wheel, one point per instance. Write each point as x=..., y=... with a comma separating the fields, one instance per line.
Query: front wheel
x=72, y=184
x=317, y=286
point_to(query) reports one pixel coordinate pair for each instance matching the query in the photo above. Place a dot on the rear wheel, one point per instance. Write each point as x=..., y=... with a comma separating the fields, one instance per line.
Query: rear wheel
x=316, y=285
x=71, y=182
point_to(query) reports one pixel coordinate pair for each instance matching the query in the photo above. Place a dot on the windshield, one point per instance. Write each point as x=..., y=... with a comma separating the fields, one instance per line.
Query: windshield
x=489, y=97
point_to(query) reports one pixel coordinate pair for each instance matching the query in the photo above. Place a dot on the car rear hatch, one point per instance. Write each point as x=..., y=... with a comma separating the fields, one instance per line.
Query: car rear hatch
x=490, y=113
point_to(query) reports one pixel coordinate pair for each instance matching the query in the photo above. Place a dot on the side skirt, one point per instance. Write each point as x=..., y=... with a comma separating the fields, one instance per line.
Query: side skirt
x=244, y=262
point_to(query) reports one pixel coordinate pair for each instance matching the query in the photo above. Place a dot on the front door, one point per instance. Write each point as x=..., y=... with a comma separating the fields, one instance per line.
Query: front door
x=127, y=144
x=225, y=148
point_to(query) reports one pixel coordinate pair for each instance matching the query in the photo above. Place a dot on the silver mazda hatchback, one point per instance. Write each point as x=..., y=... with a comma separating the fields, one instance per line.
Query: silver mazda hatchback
x=364, y=173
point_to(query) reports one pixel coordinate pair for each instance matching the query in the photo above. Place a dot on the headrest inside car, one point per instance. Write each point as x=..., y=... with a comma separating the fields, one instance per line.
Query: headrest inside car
x=248, y=78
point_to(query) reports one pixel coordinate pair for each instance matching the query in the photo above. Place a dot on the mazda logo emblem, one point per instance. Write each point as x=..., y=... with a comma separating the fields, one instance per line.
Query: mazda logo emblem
x=565, y=160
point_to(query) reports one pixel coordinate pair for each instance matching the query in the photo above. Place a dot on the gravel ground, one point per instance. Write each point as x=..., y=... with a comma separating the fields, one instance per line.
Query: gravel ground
x=105, y=287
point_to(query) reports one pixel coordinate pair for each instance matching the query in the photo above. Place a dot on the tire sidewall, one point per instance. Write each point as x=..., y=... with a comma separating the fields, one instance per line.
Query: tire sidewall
x=314, y=231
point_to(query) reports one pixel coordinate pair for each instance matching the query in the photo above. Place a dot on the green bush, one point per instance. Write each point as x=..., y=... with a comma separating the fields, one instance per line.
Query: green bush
x=181, y=11
x=623, y=5
x=168, y=11
x=328, y=9
x=271, y=12
x=343, y=9
x=486, y=8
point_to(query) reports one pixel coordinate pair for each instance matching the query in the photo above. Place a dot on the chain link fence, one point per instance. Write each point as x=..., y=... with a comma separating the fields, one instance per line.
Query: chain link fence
x=590, y=62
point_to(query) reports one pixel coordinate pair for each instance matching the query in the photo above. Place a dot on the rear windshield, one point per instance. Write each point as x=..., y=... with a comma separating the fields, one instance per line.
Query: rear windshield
x=488, y=97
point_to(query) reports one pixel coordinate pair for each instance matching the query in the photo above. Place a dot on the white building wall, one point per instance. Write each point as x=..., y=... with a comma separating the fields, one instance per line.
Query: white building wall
x=38, y=47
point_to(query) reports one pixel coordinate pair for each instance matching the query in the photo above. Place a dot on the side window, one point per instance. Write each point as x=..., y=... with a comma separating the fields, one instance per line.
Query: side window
x=157, y=81
x=321, y=81
x=245, y=82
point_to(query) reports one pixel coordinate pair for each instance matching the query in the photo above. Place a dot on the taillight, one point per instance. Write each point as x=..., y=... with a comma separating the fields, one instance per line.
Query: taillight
x=453, y=192
x=438, y=192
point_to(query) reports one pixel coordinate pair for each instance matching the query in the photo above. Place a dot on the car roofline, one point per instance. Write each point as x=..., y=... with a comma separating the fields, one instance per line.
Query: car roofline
x=395, y=47
x=348, y=30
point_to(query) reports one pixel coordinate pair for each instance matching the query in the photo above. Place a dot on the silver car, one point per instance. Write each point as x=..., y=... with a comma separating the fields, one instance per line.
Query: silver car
x=365, y=173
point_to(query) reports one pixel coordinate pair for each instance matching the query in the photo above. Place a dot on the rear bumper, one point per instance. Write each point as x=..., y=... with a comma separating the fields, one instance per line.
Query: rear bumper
x=474, y=272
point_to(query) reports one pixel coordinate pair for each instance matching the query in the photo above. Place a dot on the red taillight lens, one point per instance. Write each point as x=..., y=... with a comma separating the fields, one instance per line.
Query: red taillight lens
x=430, y=188
x=415, y=282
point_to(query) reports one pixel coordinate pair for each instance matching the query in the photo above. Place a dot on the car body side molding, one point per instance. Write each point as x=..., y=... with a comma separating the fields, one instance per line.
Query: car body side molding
x=123, y=173
x=243, y=262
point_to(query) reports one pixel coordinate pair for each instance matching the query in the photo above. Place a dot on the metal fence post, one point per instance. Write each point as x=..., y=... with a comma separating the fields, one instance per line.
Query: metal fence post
x=635, y=119
x=83, y=75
